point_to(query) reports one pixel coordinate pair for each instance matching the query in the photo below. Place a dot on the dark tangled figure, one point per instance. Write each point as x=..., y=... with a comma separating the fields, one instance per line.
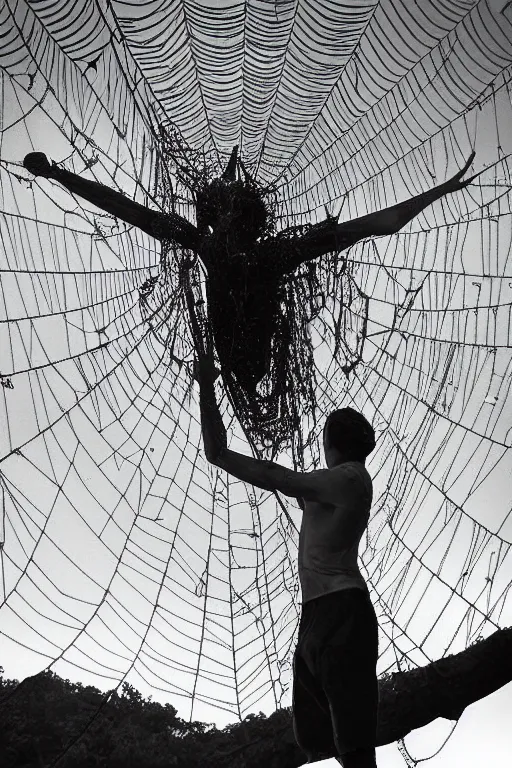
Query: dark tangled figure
x=245, y=268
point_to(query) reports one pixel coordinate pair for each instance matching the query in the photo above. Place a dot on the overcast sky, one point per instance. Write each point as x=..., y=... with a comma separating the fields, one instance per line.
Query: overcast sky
x=86, y=493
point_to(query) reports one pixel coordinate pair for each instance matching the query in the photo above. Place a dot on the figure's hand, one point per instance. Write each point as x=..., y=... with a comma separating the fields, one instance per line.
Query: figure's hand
x=456, y=182
x=37, y=163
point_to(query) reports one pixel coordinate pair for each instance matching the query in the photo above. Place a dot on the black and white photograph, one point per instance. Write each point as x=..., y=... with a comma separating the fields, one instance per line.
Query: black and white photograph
x=256, y=372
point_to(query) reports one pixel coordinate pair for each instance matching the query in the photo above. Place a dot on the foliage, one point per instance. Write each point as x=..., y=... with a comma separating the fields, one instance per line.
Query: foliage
x=44, y=715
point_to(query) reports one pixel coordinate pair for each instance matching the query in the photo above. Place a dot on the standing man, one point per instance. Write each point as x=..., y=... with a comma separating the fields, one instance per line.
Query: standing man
x=335, y=691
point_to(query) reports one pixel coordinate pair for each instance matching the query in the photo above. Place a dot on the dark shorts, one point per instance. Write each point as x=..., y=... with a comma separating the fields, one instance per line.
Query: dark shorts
x=335, y=690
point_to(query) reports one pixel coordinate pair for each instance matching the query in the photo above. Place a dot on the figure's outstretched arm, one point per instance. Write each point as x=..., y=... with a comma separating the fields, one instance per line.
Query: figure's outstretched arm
x=162, y=226
x=331, y=236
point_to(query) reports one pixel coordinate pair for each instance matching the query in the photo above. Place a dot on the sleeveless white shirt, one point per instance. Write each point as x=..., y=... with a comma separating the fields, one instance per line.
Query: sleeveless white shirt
x=330, y=535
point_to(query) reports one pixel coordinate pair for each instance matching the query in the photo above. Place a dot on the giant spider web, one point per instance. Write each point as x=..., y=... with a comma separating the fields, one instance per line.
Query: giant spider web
x=124, y=555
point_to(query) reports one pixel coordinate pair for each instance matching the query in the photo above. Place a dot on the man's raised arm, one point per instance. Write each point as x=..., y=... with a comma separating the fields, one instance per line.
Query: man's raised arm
x=264, y=474
x=162, y=226
x=330, y=236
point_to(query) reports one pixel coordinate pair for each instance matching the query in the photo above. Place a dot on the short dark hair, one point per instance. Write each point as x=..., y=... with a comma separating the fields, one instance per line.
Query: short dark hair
x=347, y=429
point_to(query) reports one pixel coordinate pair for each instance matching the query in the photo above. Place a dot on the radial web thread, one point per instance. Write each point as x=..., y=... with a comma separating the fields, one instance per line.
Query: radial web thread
x=124, y=555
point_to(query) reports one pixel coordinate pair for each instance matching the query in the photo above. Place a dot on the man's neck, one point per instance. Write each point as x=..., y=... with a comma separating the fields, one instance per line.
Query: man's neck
x=345, y=458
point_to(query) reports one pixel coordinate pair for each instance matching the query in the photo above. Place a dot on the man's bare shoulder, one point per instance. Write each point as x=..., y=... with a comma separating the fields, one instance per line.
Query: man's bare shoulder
x=355, y=469
x=348, y=479
x=347, y=472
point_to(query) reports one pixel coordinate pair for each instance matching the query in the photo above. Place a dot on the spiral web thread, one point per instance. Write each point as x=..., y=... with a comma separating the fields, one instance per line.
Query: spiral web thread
x=124, y=555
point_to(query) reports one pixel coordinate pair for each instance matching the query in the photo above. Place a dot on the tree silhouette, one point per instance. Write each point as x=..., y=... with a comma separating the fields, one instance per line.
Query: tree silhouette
x=44, y=715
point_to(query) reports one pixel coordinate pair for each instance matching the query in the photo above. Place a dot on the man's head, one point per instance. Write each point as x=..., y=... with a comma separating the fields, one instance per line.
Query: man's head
x=348, y=436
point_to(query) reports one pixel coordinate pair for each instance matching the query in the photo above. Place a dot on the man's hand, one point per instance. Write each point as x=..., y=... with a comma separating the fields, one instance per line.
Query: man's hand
x=37, y=163
x=205, y=370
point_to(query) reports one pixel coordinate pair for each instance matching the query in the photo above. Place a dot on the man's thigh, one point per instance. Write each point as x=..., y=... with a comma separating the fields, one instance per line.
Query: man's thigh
x=353, y=700
x=312, y=725
x=347, y=673
x=341, y=652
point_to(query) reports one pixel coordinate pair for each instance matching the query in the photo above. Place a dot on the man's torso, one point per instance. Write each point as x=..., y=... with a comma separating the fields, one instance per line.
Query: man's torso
x=330, y=535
